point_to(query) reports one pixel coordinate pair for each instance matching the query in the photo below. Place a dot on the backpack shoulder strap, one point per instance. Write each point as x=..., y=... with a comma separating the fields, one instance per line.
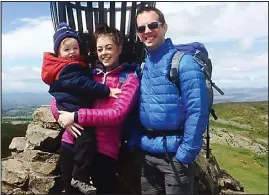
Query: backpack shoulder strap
x=174, y=71
x=142, y=66
x=139, y=71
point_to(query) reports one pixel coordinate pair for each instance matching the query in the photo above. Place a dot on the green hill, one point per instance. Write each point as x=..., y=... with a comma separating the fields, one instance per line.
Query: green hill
x=246, y=125
x=252, y=114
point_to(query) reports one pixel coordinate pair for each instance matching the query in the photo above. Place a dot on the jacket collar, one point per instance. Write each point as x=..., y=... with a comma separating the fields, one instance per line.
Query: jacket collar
x=163, y=49
x=100, y=68
x=52, y=65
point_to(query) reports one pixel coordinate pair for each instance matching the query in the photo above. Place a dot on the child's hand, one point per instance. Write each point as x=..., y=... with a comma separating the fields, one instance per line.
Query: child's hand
x=66, y=118
x=74, y=129
x=114, y=92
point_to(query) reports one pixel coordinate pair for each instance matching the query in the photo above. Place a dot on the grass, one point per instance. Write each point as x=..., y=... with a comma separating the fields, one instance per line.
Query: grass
x=253, y=135
x=228, y=126
x=249, y=113
x=245, y=166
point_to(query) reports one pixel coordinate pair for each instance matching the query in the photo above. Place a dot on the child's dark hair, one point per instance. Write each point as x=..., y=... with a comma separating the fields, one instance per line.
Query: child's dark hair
x=114, y=33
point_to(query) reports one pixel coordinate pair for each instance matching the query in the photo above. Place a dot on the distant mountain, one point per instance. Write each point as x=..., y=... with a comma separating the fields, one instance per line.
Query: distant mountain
x=13, y=100
x=241, y=95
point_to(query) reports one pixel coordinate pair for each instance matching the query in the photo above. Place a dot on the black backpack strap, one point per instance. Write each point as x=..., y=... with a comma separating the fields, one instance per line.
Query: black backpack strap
x=139, y=71
x=174, y=71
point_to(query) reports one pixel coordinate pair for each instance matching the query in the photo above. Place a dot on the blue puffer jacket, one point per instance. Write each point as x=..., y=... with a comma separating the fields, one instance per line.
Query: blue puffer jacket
x=162, y=108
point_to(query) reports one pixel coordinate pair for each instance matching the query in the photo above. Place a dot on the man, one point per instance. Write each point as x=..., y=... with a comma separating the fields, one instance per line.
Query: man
x=173, y=120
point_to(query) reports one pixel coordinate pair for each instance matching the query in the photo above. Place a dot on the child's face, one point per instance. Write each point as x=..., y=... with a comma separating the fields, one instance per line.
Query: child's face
x=108, y=52
x=69, y=48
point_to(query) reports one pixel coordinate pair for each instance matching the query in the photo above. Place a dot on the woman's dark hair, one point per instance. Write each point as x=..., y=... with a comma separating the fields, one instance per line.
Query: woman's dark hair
x=148, y=9
x=115, y=34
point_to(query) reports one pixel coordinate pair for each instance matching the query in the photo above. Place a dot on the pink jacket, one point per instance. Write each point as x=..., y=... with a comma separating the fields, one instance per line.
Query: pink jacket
x=107, y=115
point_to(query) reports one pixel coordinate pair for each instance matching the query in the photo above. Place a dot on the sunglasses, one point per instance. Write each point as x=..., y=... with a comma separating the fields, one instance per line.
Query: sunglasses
x=151, y=26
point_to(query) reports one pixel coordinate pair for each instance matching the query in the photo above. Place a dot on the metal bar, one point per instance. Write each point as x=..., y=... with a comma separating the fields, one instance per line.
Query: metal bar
x=70, y=15
x=54, y=15
x=79, y=17
x=62, y=14
x=84, y=8
x=123, y=17
x=132, y=23
x=142, y=4
x=105, y=16
x=89, y=18
x=89, y=21
x=96, y=18
x=101, y=12
x=112, y=16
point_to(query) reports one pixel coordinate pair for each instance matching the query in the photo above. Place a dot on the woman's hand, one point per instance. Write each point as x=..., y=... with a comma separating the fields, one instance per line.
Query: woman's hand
x=66, y=118
x=114, y=92
x=74, y=129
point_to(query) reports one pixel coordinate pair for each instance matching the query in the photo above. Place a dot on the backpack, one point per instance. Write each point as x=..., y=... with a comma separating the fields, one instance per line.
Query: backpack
x=200, y=54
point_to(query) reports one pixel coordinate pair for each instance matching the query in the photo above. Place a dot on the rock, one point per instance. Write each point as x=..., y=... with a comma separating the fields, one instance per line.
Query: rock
x=42, y=167
x=229, y=192
x=17, y=144
x=43, y=139
x=212, y=176
x=43, y=185
x=34, y=166
x=31, y=171
x=222, y=136
x=37, y=155
x=14, y=173
x=7, y=189
x=226, y=181
x=43, y=116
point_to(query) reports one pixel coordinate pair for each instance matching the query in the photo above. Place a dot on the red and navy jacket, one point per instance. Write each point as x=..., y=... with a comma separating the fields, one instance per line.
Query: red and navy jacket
x=71, y=83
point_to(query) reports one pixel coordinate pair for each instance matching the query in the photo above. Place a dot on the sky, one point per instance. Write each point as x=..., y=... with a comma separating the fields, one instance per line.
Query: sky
x=234, y=33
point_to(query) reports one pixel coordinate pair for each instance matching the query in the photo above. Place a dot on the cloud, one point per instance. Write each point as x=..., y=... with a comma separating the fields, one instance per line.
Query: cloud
x=215, y=21
x=241, y=24
x=238, y=24
x=238, y=71
x=29, y=40
x=23, y=79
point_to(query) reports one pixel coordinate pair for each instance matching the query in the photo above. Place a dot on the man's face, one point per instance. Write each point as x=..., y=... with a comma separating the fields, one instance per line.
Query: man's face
x=154, y=37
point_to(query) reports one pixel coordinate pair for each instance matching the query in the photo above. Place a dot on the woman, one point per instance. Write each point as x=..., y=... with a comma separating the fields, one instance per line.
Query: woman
x=106, y=115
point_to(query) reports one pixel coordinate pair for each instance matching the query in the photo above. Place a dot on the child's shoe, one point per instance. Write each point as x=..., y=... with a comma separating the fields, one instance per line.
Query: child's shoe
x=83, y=187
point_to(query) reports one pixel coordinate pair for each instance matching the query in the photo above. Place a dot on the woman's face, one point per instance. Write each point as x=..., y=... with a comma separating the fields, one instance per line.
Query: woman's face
x=108, y=52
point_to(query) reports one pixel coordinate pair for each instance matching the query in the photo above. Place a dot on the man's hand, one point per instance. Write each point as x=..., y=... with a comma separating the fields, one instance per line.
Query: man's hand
x=185, y=165
x=66, y=118
x=74, y=129
x=114, y=92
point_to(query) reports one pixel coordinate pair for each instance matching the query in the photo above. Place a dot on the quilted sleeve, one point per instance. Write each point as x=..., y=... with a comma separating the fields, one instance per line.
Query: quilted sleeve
x=74, y=78
x=194, y=92
x=115, y=115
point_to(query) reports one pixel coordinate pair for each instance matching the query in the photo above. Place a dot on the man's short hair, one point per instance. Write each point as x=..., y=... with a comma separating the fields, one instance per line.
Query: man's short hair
x=148, y=9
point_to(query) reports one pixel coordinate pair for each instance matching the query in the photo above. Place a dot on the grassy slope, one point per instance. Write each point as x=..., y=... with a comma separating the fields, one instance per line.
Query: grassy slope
x=249, y=113
x=247, y=167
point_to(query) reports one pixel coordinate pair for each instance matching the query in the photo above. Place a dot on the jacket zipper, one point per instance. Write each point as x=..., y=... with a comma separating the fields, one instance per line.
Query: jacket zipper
x=103, y=82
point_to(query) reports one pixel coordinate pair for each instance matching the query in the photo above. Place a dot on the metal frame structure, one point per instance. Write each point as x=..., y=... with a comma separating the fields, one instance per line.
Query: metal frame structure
x=100, y=13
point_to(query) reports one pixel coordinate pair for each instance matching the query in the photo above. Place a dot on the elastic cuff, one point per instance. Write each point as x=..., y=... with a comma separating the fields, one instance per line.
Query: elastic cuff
x=76, y=117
